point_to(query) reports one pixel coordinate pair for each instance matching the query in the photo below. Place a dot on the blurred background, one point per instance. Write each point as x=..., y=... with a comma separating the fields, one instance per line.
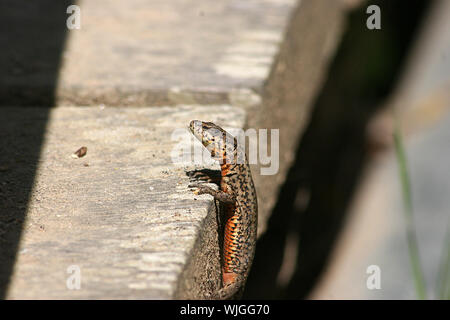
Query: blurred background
x=342, y=208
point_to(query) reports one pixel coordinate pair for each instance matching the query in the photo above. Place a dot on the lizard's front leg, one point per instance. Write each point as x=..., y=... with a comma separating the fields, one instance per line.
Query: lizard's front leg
x=217, y=194
x=230, y=290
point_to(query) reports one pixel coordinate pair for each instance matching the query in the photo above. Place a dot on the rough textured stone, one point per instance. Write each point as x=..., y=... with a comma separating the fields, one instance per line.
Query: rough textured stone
x=266, y=57
x=123, y=213
x=172, y=52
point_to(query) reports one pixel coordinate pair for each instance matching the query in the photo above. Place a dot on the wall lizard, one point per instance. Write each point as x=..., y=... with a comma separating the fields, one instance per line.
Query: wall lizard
x=238, y=195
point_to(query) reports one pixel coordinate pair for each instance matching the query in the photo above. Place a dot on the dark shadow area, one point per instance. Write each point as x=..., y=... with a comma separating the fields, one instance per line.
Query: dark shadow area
x=312, y=204
x=32, y=40
x=205, y=175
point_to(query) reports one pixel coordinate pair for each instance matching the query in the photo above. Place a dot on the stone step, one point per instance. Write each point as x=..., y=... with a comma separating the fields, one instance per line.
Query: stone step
x=123, y=214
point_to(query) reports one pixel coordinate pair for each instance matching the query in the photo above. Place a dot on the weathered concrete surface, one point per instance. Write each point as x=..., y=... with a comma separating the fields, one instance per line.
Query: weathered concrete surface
x=376, y=231
x=266, y=57
x=141, y=53
x=123, y=213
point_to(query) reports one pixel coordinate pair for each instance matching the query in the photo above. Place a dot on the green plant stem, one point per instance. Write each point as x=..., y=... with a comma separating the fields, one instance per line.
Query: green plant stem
x=443, y=284
x=419, y=279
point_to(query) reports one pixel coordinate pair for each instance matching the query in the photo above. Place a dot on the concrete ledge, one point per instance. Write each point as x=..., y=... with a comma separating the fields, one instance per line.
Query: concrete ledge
x=266, y=58
x=122, y=213
x=171, y=52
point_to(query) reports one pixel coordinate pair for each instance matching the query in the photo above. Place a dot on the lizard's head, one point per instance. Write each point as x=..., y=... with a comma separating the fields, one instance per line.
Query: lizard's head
x=213, y=137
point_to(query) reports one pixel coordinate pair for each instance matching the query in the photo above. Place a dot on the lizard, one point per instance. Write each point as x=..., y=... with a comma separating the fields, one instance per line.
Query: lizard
x=238, y=195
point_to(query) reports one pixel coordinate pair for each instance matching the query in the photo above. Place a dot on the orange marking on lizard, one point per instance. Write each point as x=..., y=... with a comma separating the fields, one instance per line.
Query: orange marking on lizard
x=228, y=277
x=240, y=214
x=225, y=169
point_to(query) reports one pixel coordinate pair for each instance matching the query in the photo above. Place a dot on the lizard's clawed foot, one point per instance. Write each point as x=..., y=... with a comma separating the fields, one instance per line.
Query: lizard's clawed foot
x=217, y=194
x=201, y=188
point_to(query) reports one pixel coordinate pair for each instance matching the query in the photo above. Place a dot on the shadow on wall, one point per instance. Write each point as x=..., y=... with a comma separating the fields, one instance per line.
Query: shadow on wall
x=32, y=39
x=312, y=203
